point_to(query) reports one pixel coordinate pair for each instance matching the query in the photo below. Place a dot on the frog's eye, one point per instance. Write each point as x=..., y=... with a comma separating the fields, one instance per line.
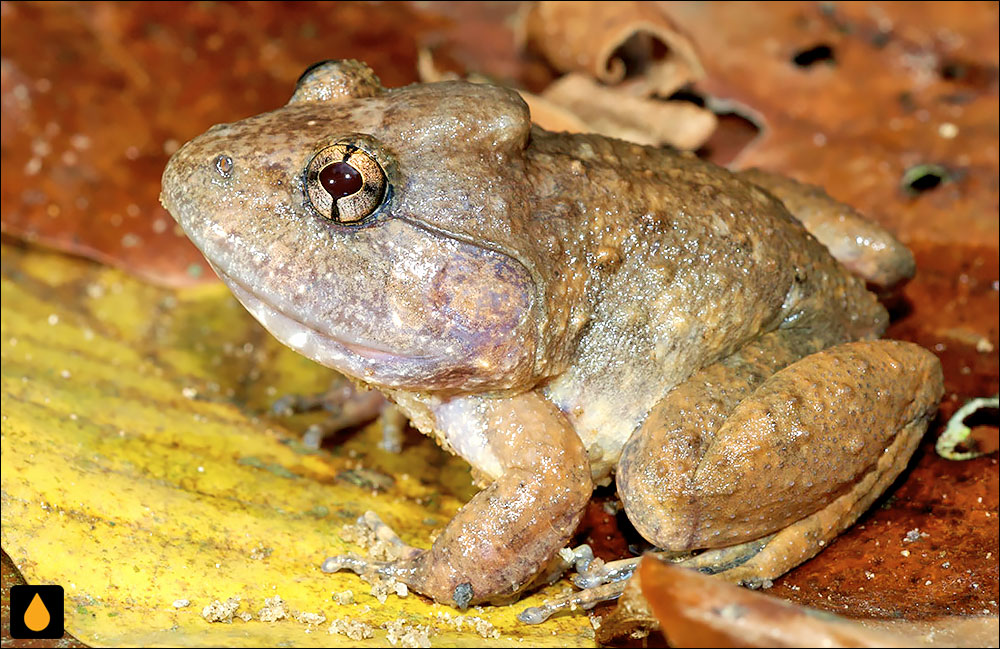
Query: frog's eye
x=345, y=183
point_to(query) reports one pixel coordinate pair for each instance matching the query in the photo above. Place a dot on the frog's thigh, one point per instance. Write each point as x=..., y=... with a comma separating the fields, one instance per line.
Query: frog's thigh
x=721, y=462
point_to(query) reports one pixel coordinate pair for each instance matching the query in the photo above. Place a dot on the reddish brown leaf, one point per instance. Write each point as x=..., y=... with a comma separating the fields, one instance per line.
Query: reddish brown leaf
x=695, y=610
x=877, y=89
x=97, y=96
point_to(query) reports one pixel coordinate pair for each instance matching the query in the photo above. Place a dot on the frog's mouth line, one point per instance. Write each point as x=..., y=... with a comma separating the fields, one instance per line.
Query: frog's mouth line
x=342, y=355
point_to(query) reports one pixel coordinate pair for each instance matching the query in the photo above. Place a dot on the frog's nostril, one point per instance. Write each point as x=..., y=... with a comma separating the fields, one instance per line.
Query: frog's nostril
x=224, y=165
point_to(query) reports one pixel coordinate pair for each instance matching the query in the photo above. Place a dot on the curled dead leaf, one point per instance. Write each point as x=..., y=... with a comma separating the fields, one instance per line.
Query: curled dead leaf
x=631, y=44
x=609, y=111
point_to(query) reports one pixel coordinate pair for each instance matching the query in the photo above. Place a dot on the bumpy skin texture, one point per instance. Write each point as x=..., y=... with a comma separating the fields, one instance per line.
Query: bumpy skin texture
x=551, y=306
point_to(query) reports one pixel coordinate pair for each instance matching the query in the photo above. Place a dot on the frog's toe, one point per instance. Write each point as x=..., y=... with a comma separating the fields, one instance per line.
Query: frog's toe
x=590, y=571
x=586, y=599
x=598, y=573
x=294, y=404
x=411, y=571
x=354, y=563
x=347, y=407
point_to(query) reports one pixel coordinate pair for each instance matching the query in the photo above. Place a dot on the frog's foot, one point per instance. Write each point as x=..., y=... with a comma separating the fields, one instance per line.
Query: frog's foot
x=498, y=543
x=592, y=572
x=598, y=580
x=347, y=407
x=601, y=582
x=739, y=453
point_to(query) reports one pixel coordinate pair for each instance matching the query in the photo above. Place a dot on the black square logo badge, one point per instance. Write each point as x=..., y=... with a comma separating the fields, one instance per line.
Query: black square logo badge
x=36, y=612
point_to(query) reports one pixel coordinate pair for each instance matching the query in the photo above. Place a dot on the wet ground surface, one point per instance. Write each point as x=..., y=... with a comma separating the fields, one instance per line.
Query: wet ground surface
x=892, y=108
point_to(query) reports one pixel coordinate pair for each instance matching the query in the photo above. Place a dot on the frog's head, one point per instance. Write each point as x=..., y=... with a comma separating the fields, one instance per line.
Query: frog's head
x=366, y=227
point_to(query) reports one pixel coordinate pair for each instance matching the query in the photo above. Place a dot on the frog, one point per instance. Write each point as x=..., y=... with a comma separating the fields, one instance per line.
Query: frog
x=564, y=311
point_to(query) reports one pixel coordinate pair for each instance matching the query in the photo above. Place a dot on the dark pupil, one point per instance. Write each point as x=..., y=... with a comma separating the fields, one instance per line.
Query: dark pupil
x=340, y=179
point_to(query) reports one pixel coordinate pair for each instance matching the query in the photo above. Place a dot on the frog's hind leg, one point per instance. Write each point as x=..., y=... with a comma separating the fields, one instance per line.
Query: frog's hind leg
x=737, y=459
x=865, y=248
x=745, y=449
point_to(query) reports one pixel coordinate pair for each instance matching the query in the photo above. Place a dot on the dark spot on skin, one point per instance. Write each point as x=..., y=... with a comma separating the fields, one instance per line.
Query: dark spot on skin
x=880, y=39
x=907, y=102
x=462, y=596
x=809, y=57
x=340, y=179
x=953, y=70
x=224, y=165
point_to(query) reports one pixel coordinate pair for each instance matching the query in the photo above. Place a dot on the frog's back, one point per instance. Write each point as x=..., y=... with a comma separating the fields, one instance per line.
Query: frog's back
x=684, y=263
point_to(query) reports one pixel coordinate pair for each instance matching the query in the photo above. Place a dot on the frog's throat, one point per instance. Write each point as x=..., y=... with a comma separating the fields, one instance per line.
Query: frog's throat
x=350, y=357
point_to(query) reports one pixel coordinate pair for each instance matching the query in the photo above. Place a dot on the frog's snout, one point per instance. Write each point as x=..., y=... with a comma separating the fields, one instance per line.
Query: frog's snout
x=168, y=182
x=196, y=180
x=176, y=184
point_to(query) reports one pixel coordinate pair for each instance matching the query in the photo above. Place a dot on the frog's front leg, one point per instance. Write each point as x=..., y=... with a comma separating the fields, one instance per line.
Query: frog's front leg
x=742, y=451
x=498, y=542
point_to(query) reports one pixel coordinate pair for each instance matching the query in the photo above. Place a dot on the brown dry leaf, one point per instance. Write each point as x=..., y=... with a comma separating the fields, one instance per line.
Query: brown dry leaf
x=632, y=45
x=616, y=56
x=552, y=116
x=608, y=111
x=695, y=610
x=90, y=118
x=484, y=38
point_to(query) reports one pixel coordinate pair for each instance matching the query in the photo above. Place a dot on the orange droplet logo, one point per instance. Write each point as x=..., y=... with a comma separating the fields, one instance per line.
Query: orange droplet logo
x=36, y=617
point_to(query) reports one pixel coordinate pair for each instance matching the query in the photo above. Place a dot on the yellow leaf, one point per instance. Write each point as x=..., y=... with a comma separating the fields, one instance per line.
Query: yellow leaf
x=139, y=468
